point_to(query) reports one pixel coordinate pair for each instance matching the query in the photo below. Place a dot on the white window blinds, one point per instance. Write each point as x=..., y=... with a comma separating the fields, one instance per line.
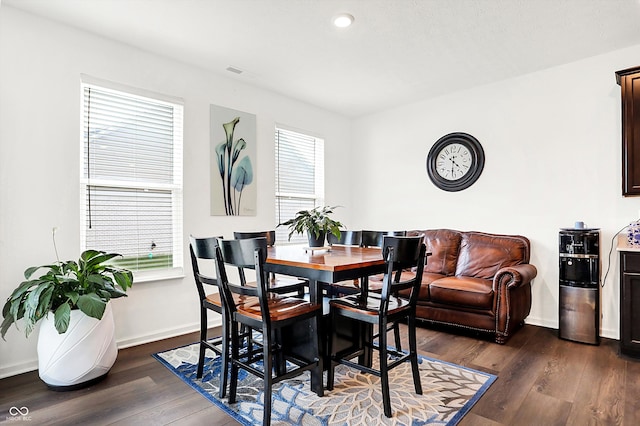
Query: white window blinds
x=299, y=177
x=132, y=178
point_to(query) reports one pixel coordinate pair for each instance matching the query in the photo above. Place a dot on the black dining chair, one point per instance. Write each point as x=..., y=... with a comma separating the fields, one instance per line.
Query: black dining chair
x=381, y=309
x=374, y=238
x=277, y=283
x=273, y=314
x=348, y=239
x=202, y=250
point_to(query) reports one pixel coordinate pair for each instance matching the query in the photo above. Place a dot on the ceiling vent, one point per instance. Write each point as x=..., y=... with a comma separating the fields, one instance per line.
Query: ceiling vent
x=234, y=70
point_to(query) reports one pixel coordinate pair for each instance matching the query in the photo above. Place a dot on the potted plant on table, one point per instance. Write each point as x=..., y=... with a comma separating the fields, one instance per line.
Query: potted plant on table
x=316, y=223
x=76, y=343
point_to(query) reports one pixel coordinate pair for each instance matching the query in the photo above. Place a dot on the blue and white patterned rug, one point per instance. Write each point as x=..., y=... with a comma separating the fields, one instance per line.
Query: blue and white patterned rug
x=449, y=392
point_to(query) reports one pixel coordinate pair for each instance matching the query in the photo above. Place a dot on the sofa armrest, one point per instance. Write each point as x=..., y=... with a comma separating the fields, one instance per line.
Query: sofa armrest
x=512, y=285
x=515, y=276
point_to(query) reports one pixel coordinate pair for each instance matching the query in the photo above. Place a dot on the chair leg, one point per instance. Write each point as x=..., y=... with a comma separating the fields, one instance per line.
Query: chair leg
x=396, y=334
x=384, y=371
x=235, y=354
x=224, y=367
x=203, y=338
x=411, y=324
x=268, y=381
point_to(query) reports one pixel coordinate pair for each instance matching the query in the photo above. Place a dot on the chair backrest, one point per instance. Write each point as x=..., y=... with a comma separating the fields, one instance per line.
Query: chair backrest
x=271, y=240
x=269, y=235
x=239, y=253
x=374, y=238
x=245, y=253
x=402, y=254
x=347, y=238
x=202, y=249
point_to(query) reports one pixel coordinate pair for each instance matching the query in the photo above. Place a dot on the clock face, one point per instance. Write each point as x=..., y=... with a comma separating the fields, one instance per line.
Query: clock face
x=455, y=161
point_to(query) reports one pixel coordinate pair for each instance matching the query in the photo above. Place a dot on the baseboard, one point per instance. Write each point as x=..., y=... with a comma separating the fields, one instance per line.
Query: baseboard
x=159, y=335
x=15, y=369
x=32, y=365
x=541, y=322
x=604, y=332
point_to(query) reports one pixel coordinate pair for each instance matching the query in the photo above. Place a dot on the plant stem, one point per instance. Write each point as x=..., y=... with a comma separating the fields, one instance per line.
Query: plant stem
x=55, y=248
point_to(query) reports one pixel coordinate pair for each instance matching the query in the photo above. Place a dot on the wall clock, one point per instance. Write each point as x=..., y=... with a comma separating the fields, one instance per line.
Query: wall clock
x=455, y=161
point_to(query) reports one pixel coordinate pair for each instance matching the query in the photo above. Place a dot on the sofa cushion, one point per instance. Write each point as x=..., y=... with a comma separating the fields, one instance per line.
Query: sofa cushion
x=443, y=244
x=482, y=255
x=462, y=291
x=427, y=278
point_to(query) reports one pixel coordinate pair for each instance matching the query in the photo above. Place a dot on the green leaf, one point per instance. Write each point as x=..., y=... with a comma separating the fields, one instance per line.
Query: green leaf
x=123, y=278
x=6, y=324
x=92, y=305
x=32, y=305
x=22, y=289
x=96, y=259
x=62, y=317
x=45, y=302
x=72, y=296
x=98, y=279
x=29, y=271
x=106, y=295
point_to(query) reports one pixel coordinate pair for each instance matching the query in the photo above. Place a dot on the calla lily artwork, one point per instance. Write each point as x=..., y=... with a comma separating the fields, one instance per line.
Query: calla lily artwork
x=232, y=177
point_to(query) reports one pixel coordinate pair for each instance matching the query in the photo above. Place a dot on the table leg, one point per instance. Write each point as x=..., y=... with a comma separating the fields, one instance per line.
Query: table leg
x=367, y=330
x=315, y=296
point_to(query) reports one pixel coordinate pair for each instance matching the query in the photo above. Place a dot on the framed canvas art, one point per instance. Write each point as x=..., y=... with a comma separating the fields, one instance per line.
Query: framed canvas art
x=233, y=156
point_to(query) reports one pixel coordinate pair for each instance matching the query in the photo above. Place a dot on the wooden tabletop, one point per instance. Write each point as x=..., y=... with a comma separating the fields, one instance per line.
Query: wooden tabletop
x=336, y=258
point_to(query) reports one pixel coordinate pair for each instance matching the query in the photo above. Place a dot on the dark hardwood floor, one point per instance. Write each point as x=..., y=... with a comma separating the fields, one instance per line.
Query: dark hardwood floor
x=542, y=380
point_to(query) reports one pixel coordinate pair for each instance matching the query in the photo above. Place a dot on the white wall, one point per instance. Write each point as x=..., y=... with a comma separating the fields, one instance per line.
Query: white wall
x=552, y=141
x=40, y=67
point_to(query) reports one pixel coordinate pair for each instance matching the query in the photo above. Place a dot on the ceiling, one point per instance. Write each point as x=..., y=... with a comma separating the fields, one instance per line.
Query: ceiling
x=396, y=51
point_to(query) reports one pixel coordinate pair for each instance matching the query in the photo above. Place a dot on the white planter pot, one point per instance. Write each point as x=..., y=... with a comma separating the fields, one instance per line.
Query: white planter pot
x=81, y=356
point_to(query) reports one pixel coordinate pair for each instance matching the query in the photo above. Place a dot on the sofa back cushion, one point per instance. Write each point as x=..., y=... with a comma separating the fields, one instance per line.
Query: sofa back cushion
x=443, y=244
x=482, y=255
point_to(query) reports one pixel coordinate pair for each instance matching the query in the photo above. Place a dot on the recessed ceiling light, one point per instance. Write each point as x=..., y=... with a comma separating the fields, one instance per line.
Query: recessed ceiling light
x=343, y=20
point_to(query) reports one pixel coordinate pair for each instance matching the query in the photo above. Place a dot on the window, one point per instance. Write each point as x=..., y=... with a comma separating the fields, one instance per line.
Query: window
x=299, y=177
x=132, y=179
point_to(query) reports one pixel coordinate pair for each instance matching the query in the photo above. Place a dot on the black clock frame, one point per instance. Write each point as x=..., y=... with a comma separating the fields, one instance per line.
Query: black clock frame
x=475, y=170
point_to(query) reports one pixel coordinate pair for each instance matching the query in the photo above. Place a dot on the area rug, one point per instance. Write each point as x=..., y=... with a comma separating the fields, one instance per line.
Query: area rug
x=449, y=392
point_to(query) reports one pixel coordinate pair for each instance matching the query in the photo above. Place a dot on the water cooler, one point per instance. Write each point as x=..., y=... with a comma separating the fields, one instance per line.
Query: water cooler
x=579, y=308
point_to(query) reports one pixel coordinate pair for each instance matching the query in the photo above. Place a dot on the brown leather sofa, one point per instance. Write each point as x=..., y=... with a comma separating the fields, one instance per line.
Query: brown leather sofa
x=476, y=281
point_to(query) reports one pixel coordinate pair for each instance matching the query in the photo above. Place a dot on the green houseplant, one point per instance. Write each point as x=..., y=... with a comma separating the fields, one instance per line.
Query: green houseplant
x=316, y=222
x=87, y=285
x=76, y=344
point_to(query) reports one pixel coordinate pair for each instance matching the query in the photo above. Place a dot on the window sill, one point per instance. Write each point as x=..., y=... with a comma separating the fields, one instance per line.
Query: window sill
x=147, y=276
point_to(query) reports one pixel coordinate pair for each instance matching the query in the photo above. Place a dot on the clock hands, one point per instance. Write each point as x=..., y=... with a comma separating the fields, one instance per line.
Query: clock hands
x=452, y=158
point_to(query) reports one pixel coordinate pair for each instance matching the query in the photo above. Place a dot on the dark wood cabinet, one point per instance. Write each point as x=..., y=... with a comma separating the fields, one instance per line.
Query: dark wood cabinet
x=630, y=303
x=629, y=81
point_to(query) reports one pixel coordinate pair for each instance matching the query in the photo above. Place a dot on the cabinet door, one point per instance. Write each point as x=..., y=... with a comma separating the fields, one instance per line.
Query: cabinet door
x=630, y=318
x=630, y=89
x=630, y=303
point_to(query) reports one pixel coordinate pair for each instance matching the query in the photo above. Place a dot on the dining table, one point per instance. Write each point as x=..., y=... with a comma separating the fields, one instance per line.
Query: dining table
x=322, y=267
x=328, y=265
